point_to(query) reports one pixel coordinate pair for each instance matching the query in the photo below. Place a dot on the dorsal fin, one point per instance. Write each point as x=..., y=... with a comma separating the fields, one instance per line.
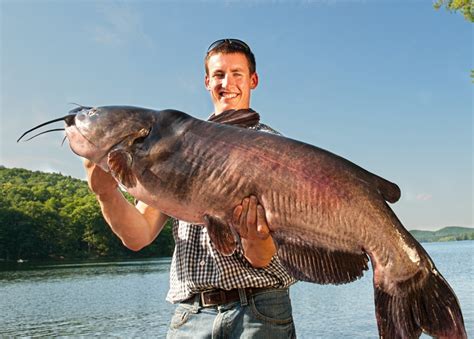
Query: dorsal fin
x=389, y=190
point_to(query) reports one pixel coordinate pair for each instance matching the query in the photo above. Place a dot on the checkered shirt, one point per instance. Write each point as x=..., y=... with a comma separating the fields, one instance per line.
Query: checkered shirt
x=197, y=266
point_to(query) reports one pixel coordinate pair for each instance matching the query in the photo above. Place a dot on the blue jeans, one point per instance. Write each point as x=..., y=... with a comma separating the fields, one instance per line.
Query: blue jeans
x=263, y=315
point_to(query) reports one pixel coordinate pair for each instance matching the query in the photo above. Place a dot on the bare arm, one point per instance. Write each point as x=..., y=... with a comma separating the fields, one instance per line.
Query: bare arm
x=137, y=226
x=250, y=222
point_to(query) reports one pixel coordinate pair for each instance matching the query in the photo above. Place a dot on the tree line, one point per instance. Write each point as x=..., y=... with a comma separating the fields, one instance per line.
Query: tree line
x=52, y=216
x=451, y=233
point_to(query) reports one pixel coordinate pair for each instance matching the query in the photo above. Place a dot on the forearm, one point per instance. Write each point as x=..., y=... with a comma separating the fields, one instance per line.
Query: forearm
x=137, y=226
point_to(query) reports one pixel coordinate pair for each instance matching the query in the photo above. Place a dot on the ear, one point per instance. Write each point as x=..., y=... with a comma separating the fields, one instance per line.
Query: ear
x=253, y=80
x=206, y=82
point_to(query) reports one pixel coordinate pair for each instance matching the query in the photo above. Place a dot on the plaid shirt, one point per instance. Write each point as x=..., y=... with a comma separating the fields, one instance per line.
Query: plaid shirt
x=197, y=266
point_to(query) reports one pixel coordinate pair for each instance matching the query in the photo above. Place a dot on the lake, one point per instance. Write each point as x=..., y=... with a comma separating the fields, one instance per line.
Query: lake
x=127, y=298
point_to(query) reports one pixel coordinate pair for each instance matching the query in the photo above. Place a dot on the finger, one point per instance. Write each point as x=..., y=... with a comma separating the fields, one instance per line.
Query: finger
x=243, y=218
x=236, y=215
x=252, y=214
x=262, y=225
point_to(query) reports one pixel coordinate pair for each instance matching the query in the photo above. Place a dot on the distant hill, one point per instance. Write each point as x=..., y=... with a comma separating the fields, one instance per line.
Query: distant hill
x=451, y=233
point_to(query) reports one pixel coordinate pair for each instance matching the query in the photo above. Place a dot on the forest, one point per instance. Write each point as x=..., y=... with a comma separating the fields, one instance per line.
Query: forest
x=52, y=216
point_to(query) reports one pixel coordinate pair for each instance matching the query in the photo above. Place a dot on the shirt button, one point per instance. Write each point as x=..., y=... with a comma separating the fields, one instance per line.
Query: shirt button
x=202, y=263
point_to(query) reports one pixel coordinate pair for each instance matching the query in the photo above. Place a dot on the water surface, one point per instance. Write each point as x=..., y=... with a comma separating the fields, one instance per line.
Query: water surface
x=127, y=298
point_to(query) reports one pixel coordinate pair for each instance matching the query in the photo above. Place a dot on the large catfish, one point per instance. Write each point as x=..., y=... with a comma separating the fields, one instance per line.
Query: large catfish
x=326, y=215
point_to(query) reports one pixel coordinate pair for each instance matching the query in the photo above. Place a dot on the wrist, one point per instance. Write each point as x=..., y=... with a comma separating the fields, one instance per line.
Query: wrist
x=105, y=195
x=258, y=252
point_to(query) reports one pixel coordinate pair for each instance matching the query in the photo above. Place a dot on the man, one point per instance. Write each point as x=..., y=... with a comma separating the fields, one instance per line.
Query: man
x=244, y=295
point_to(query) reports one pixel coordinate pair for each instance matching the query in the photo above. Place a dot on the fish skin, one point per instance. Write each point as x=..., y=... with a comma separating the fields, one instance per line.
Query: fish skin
x=326, y=215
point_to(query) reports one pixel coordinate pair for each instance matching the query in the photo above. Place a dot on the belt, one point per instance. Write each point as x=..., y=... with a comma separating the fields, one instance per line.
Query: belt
x=220, y=297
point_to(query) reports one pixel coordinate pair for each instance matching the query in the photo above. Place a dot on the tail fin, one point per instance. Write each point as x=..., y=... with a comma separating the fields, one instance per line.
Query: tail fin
x=425, y=304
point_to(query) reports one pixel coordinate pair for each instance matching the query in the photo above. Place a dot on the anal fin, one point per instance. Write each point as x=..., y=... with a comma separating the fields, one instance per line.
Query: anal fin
x=308, y=262
x=223, y=237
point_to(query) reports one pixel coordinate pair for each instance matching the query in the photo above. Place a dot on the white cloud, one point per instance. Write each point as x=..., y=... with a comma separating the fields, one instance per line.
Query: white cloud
x=423, y=197
x=413, y=197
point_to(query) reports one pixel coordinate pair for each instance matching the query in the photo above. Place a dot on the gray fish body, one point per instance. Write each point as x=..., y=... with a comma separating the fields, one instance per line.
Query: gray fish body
x=310, y=193
x=326, y=214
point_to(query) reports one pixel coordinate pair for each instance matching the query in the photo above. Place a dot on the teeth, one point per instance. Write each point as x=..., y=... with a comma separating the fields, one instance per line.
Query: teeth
x=229, y=95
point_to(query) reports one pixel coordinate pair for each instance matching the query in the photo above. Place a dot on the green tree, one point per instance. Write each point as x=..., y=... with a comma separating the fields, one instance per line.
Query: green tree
x=16, y=238
x=464, y=6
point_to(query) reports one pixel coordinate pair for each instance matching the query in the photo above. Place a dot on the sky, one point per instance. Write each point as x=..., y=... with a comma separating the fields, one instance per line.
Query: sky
x=383, y=83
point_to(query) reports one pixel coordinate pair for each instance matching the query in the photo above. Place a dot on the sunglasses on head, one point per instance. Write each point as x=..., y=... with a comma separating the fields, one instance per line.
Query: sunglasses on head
x=236, y=42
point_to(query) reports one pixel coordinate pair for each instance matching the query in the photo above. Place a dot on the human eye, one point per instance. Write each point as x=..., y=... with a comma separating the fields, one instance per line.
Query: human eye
x=218, y=75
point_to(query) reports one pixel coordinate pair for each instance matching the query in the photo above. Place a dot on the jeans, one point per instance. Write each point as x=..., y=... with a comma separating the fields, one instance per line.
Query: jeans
x=263, y=315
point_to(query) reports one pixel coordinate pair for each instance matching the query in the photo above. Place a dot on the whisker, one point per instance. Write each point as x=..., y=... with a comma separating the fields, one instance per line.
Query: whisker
x=64, y=139
x=44, y=124
x=50, y=130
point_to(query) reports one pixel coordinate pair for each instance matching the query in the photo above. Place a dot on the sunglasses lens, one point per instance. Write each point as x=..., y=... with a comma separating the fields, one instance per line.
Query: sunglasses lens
x=235, y=42
x=215, y=44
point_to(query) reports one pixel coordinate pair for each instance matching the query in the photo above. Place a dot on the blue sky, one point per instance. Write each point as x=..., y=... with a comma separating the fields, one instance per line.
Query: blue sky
x=386, y=84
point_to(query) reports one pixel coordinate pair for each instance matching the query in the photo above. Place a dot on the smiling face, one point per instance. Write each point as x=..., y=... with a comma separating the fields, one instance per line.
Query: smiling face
x=229, y=81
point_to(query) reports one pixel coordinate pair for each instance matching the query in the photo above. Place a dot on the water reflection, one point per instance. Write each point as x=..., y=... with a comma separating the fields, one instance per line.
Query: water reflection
x=30, y=271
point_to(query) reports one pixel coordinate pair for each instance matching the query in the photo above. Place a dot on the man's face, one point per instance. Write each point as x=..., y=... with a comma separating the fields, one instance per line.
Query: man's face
x=229, y=81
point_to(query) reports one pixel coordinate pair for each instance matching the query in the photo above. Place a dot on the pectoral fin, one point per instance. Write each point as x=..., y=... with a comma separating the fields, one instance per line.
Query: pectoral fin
x=120, y=164
x=223, y=237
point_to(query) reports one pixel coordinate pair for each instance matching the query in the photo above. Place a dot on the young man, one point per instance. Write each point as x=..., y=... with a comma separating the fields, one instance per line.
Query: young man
x=244, y=295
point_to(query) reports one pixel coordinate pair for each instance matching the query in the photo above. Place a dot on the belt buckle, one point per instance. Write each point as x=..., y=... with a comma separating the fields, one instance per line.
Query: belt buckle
x=203, y=300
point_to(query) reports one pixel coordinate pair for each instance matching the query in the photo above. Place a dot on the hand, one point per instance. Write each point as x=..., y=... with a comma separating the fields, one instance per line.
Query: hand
x=250, y=222
x=100, y=182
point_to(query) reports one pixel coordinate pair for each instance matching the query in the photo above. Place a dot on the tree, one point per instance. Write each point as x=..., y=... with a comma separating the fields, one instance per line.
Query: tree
x=464, y=6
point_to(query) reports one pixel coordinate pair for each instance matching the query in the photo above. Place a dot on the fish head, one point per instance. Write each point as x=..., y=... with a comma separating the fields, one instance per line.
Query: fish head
x=95, y=132
x=120, y=139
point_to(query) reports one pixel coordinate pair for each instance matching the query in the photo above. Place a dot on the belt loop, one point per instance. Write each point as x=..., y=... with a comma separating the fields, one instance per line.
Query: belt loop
x=196, y=303
x=243, y=297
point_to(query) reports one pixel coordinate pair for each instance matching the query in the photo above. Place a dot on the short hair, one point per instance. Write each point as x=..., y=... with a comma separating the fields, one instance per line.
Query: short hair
x=227, y=46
